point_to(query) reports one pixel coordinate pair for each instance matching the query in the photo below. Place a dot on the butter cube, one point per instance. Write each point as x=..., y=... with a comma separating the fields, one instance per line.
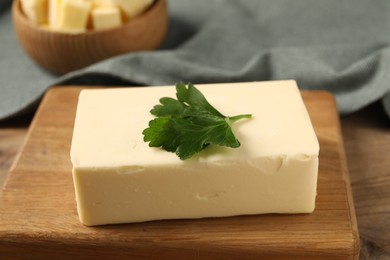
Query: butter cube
x=54, y=12
x=118, y=178
x=73, y=16
x=106, y=17
x=35, y=10
x=102, y=3
x=133, y=8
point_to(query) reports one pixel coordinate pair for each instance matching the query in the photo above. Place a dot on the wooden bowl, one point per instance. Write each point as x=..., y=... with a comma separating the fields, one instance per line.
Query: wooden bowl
x=62, y=52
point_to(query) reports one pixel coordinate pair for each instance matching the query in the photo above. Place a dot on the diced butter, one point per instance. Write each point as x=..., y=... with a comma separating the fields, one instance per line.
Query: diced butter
x=106, y=17
x=103, y=3
x=118, y=178
x=73, y=16
x=133, y=8
x=35, y=10
x=54, y=13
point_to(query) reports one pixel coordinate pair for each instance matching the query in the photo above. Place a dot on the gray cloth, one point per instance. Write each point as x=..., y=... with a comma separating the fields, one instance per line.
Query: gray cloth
x=338, y=45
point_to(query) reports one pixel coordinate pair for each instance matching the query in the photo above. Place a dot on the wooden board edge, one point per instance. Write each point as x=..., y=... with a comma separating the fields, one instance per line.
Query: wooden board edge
x=31, y=128
x=345, y=171
x=46, y=96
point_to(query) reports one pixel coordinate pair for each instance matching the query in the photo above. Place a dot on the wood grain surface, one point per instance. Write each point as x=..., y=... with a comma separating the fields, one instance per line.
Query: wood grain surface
x=367, y=142
x=38, y=210
x=12, y=136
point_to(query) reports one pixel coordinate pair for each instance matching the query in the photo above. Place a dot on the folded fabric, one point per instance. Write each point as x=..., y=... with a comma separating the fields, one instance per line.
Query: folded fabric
x=342, y=46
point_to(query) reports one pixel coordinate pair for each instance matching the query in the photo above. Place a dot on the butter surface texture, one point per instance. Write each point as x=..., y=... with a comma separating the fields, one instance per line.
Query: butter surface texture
x=54, y=12
x=133, y=8
x=103, y=3
x=106, y=17
x=118, y=178
x=35, y=10
x=73, y=16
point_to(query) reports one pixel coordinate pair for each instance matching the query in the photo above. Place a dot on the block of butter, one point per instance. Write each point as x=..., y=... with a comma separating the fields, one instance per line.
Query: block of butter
x=54, y=13
x=133, y=8
x=106, y=17
x=73, y=16
x=118, y=178
x=103, y=3
x=35, y=10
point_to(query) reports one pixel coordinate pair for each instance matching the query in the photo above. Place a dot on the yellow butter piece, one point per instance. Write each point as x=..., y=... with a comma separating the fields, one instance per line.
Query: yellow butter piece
x=106, y=17
x=54, y=12
x=73, y=16
x=35, y=10
x=118, y=178
x=100, y=3
x=133, y=8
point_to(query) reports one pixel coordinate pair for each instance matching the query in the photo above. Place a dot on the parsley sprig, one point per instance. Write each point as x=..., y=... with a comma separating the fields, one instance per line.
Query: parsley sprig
x=188, y=124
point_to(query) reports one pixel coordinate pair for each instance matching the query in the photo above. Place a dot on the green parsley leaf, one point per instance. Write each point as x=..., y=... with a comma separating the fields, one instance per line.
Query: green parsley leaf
x=189, y=124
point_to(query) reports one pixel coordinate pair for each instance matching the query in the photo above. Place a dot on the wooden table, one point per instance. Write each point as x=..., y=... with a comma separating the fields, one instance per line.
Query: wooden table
x=367, y=143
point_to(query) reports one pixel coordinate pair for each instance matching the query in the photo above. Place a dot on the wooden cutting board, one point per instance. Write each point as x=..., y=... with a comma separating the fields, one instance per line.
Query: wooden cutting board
x=38, y=216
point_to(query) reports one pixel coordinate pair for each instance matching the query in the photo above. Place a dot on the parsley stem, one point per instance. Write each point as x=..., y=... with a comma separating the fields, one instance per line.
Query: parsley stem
x=235, y=118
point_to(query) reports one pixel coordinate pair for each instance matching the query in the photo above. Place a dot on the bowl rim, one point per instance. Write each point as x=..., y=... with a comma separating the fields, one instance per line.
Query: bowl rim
x=17, y=10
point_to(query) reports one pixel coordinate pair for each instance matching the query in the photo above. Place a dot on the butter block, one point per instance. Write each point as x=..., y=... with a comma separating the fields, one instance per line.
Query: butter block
x=73, y=16
x=133, y=8
x=35, y=10
x=106, y=17
x=54, y=13
x=118, y=178
x=103, y=3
